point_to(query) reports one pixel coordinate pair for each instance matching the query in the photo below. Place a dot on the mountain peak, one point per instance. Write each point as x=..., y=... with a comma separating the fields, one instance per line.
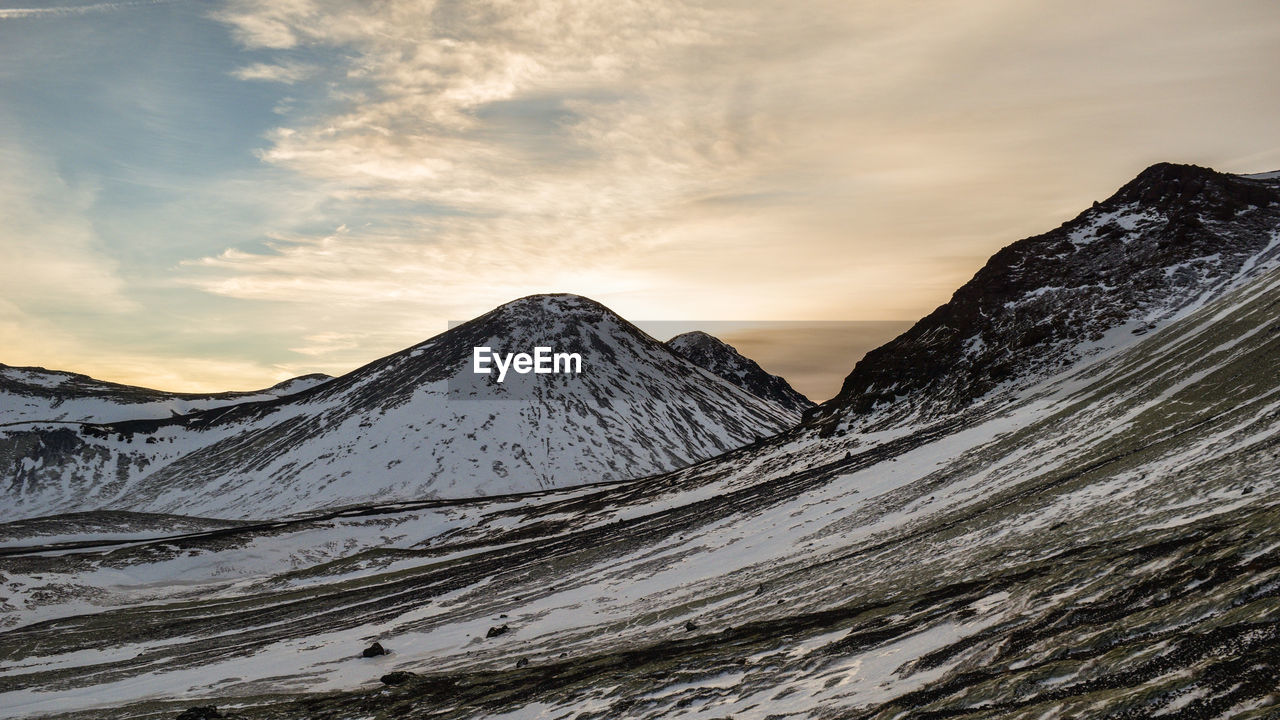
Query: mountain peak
x=1160, y=243
x=694, y=339
x=1173, y=187
x=1165, y=172
x=547, y=316
x=720, y=358
x=558, y=303
x=421, y=422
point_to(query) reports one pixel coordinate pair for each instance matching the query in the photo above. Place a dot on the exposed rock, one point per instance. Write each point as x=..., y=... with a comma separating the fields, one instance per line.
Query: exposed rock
x=1159, y=243
x=690, y=625
x=374, y=650
x=522, y=662
x=498, y=630
x=201, y=712
x=399, y=677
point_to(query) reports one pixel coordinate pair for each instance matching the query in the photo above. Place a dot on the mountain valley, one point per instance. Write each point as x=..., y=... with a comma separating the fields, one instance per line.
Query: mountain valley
x=1056, y=496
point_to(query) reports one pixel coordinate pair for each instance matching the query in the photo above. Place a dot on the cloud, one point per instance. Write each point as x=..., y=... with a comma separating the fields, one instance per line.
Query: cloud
x=51, y=258
x=287, y=73
x=421, y=115
x=830, y=160
x=18, y=13
x=412, y=287
x=327, y=343
x=538, y=147
x=267, y=25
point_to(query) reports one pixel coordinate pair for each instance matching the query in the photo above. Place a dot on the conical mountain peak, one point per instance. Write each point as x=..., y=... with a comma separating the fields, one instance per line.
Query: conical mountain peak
x=554, y=302
x=425, y=421
x=555, y=319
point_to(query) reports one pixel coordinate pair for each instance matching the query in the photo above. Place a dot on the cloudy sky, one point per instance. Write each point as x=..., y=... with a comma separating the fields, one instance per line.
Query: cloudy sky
x=218, y=195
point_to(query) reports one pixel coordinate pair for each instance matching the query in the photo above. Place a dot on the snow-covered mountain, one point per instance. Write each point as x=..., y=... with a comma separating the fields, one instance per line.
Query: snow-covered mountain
x=1095, y=541
x=34, y=393
x=1172, y=237
x=720, y=358
x=414, y=424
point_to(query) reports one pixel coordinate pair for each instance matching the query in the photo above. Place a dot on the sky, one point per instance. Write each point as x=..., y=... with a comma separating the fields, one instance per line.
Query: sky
x=220, y=195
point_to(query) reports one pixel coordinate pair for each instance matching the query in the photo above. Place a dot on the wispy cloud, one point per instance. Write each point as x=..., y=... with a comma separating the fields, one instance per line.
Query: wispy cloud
x=522, y=147
x=326, y=343
x=286, y=72
x=67, y=10
x=51, y=258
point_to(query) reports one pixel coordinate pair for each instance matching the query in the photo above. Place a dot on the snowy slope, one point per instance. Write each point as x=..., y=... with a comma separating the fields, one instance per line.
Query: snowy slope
x=32, y=393
x=1102, y=544
x=720, y=358
x=415, y=424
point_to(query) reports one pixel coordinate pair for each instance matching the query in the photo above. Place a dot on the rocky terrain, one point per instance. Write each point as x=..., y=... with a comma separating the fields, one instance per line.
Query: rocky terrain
x=1168, y=239
x=1091, y=541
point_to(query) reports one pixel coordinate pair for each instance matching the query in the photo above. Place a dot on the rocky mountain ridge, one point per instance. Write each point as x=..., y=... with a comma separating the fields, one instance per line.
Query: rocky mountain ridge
x=1169, y=238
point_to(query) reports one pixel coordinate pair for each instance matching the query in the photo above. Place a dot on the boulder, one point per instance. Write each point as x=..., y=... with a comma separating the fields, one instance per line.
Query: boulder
x=374, y=650
x=398, y=677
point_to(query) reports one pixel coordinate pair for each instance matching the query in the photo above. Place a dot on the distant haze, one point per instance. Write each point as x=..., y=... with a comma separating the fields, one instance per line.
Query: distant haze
x=814, y=359
x=813, y=356
x=219, y=195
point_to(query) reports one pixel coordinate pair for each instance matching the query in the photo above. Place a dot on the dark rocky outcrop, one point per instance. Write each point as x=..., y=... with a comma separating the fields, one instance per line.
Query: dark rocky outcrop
x=1161, y=241
x=201, y=712
x=399, y=677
